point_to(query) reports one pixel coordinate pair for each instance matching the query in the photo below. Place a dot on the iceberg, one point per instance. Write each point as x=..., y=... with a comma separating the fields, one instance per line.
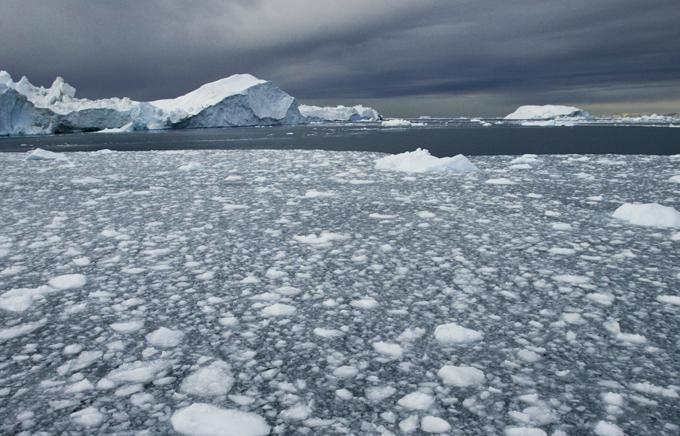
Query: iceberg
x=648, y=214
x=356, y=113
x=548, y=112
x=421, y=161
x=237, y=100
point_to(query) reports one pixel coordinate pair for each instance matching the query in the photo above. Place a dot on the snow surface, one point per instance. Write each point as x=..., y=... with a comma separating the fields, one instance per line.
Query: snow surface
x=421, y=161
x=443, y=298
x=209, y=94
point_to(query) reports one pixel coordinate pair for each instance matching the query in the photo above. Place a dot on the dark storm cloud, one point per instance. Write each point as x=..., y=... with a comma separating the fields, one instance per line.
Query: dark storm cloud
x=409, y=56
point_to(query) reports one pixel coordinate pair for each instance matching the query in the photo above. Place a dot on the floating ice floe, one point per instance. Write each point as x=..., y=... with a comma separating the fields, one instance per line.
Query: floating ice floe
x=200, y=419
x=648, y=214
x=191, y=166
x=127, y=128
x=21, y=299
x=323, y=238
x=461, y=376
x=669, y=299
x=499, y=181
x=434, y=424
x=397, y=122
x=421, y=161
x=68, y=281
x=416, y=401
x=447, y=334
x=40, y=154
x=209, y=381
x=278, y=309
x=88, y=417
x=164, y=337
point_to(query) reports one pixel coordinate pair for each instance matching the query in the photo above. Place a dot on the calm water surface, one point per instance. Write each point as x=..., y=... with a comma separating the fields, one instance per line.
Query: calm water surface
x=441, y=140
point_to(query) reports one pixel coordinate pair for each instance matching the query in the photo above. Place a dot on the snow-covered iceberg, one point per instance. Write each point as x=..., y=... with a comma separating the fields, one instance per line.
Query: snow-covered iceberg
x=340, y=113
x=548, y=112
x=238, y=100
x=421, y=161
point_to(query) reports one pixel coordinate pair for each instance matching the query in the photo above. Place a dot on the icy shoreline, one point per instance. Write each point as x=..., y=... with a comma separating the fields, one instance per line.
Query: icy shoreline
x=306, y=291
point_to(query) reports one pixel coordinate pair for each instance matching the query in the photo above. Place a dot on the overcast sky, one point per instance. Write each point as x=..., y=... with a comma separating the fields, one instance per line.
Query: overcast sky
x=404, y=57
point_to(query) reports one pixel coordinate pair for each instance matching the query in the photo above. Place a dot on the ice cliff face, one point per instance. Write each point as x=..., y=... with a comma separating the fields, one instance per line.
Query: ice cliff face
x=340, y=113
x=18, y=116
x=238, y=100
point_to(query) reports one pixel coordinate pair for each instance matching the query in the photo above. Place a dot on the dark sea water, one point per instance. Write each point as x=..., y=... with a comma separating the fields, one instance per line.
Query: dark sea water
x=441, y=140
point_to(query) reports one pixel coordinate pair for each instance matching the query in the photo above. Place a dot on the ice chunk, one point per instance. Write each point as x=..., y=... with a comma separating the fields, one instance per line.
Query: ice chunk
x=648, y=214
x=88, y=417
x=499, y=181
x=278, y=309
x=669, y=299
x=604, y=428
x=392, y=351
x=524, y=431
x=296, y=413
x=461, y=376
x=191, y=166
x=209, y=381
x=200, y=419
x=397, y=122
x=68, y=281
x=164, y=337
x=433, y=424
x=138, y=371
x=379, y=393
x=364, y=303
x=128, y=326
x=448, y=334
x=345, y=371
x=323, y=238
x=20, y=300
x=416, y=401
x=40, y=154
x=21, y=329
x=421, y=161
x=126, y=128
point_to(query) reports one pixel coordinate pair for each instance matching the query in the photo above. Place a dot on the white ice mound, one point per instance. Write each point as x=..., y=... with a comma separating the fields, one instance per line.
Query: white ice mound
x=340, y=113
x=648, y=214
x=398, y=122
x=40, y=154
x=202, y=419
x=421, y=161
x=547, y=112
x=238, y=100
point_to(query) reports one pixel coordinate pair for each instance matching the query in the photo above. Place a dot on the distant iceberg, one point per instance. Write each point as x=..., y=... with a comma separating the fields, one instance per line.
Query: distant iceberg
x=237, y=100
x=548, y=112
x=340, y=113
